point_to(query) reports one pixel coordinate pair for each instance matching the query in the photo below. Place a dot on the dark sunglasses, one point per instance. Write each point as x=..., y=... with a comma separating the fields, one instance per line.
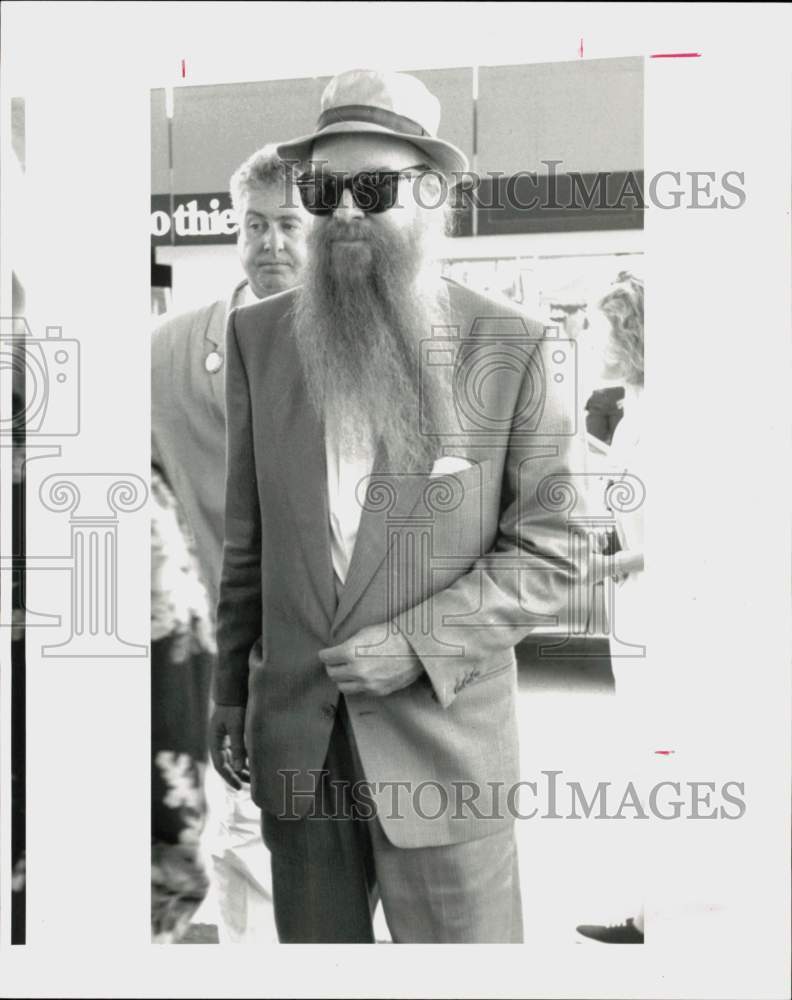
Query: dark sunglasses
x=372, y=191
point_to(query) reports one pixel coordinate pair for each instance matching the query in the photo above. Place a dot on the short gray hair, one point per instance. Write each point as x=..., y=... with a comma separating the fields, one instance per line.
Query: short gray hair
x=262, y=170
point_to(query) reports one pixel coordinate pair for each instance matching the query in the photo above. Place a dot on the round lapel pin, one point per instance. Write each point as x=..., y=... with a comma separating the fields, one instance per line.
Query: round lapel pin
x=214, y=362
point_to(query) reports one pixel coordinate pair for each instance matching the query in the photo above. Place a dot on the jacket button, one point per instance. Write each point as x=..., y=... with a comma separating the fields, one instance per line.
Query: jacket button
x=328, y=711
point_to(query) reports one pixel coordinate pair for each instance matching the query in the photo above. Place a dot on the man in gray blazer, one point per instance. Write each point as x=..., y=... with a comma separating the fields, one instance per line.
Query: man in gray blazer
x=398, y=453
x=188, y=354
x=188, y=404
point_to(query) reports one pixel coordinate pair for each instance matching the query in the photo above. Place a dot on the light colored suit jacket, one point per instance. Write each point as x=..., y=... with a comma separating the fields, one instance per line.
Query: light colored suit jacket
x=465, y=565
x=188, y=424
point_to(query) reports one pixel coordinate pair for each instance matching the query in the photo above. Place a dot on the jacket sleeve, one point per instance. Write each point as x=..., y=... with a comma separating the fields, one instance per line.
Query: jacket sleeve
x=529, y=572
x=239, y=606
x=160, y=379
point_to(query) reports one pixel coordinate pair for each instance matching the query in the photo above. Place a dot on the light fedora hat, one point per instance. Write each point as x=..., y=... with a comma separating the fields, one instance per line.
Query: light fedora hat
x=397, y=104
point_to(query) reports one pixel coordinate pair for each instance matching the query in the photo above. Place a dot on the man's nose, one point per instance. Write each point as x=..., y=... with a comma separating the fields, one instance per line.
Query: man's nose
x=273, y=240
x=347, y=209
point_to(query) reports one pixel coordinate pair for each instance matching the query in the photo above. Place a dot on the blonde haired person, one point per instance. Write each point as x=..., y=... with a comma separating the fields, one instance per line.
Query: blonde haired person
x=620, y=322
x=623, y=309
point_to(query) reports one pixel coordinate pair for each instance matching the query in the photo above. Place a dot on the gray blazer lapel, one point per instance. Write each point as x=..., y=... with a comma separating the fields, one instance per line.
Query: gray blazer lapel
x=388, y=502
x=213, y=334
x=300, y=446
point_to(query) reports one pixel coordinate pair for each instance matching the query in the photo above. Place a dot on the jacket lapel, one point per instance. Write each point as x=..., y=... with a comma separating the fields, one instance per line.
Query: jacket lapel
x=390, y=501
x=303, y=466
x=214, y=328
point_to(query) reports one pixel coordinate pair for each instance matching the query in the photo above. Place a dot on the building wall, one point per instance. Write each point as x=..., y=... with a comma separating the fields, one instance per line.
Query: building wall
x=588, y=114
x=525, y=114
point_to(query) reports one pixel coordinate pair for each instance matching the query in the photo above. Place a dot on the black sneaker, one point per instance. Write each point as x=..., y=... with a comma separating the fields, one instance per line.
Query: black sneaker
x=626, y=933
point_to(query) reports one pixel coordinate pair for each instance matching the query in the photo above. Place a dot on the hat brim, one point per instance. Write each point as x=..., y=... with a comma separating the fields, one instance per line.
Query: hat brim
x=447, y=158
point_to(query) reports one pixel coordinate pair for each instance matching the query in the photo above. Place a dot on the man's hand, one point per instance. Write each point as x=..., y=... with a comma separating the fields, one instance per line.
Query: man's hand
x=227, y=744
x=388, y=667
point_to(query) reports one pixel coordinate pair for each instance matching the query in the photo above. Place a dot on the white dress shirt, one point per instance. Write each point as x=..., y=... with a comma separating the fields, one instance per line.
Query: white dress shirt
x=345, y=471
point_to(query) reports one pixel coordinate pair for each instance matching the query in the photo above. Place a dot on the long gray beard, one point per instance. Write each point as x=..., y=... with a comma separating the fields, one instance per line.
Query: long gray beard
x=359, y=325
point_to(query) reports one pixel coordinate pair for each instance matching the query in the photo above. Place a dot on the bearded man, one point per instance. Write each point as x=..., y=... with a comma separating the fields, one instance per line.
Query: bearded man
x=392, y=531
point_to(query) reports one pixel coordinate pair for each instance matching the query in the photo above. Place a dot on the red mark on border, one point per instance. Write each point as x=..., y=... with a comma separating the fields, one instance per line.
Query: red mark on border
x=665, y=753
x=184, y=69
x=676, y=55
x=580, y=50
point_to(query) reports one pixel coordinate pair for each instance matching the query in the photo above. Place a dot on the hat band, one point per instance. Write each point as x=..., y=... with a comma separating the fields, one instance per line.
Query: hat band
x=372, y=115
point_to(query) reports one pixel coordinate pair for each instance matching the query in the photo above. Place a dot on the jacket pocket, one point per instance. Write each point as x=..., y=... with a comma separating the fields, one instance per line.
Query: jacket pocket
x=468, y=480
x=475, y=676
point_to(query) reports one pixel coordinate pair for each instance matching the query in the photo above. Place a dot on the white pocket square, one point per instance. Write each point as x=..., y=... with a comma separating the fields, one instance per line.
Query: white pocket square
x=449, y=464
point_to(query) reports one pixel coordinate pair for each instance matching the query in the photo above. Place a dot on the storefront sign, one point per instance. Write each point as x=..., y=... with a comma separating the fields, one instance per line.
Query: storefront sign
x=193, y=219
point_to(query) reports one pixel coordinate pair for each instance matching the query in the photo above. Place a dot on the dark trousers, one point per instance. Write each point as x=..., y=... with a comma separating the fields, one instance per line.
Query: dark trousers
x=603, y=412
x=330, y=870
